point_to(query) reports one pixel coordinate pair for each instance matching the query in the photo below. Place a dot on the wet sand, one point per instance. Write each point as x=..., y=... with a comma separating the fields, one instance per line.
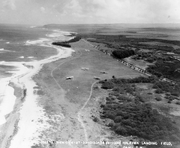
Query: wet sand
x=56, y=110
x=22, y=126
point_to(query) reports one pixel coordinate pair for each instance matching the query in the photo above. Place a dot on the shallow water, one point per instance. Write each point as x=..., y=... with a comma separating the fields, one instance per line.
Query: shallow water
x=21, y=68
x=18, y=52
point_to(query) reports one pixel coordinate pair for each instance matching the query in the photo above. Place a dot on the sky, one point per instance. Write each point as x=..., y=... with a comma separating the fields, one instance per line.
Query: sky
x=40, y=12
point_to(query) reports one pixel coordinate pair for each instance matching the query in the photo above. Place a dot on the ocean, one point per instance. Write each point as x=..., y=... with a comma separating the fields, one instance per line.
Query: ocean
x=20, y=45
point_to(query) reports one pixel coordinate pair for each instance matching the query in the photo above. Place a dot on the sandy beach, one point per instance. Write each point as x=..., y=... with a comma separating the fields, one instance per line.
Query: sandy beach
x=31, y=112
x=22, y=125
x=56, y=112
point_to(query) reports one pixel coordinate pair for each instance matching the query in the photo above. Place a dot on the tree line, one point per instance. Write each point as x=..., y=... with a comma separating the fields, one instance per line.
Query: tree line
x=120, y=54
x=66, y=43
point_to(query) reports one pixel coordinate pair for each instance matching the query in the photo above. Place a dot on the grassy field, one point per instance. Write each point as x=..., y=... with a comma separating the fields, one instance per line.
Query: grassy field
x=59, y=95
x=148, y=110
x=96, y=62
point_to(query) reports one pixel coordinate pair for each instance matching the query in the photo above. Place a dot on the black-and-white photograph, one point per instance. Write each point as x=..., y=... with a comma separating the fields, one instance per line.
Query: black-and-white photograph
x=89, y=73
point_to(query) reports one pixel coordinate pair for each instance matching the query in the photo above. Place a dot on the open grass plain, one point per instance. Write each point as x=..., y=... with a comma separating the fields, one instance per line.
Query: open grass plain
x=74, y=98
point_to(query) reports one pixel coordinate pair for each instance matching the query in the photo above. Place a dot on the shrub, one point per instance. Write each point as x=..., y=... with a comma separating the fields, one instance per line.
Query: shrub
x=107, y=85
x=123, y=54
x=118, y=119
x=111, y=123
x=158, y=99
x=61, y=44
x=174, y=94
x=120, y=130
x=158, y=91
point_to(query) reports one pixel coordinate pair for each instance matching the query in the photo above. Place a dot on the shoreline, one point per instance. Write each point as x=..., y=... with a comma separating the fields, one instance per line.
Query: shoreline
x=12, y=118
x=68, y=116
x=20, y=108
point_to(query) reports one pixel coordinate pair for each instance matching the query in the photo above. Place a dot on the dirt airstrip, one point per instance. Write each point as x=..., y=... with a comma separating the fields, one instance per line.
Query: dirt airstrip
x=66, y=89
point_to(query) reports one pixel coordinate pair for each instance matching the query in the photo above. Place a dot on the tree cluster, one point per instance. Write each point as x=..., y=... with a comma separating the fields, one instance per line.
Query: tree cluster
x=171, y=90
x=167, y=69
x=61, y=44
x=134, y=116
x=66, y=43
x=118, y=81
x=123, y=54
x=138, y=119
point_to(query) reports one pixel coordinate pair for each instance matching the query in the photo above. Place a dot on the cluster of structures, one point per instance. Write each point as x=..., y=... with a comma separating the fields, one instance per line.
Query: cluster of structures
x=135, y=68
x=140, y=70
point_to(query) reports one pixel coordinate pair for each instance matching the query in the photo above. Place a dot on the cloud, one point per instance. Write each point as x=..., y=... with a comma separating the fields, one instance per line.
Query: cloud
x=90, y=11
x=90, y=6
x=9, y=4
x=43, y=10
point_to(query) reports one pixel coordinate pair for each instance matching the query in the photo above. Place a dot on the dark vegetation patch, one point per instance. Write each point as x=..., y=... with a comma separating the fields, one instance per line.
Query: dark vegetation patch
x=131, y=114
x=40, y=92
x=24, y=94
x=67, y=43
x=168, y=88
x=178, y=102
x=122, y=41
x=120, y=46
x=109, y=84
x=61, y=44
x=166, y=68
x=123, y=54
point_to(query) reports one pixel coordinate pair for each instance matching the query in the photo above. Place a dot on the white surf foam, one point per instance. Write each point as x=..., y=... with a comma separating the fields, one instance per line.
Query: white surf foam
x=54, y=35
x=2, y=50
x=30, y=57
x=60, y=35
x=64, y=32
x=21, y=57
x=29, y=127
x=37, y=42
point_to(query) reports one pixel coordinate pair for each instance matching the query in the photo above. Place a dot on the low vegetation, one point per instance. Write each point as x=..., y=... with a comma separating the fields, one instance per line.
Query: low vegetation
x=168, y=69
x=61, y=44
x=131, y=114
x=167, y=87
x=67, y=43
x=122, y=54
